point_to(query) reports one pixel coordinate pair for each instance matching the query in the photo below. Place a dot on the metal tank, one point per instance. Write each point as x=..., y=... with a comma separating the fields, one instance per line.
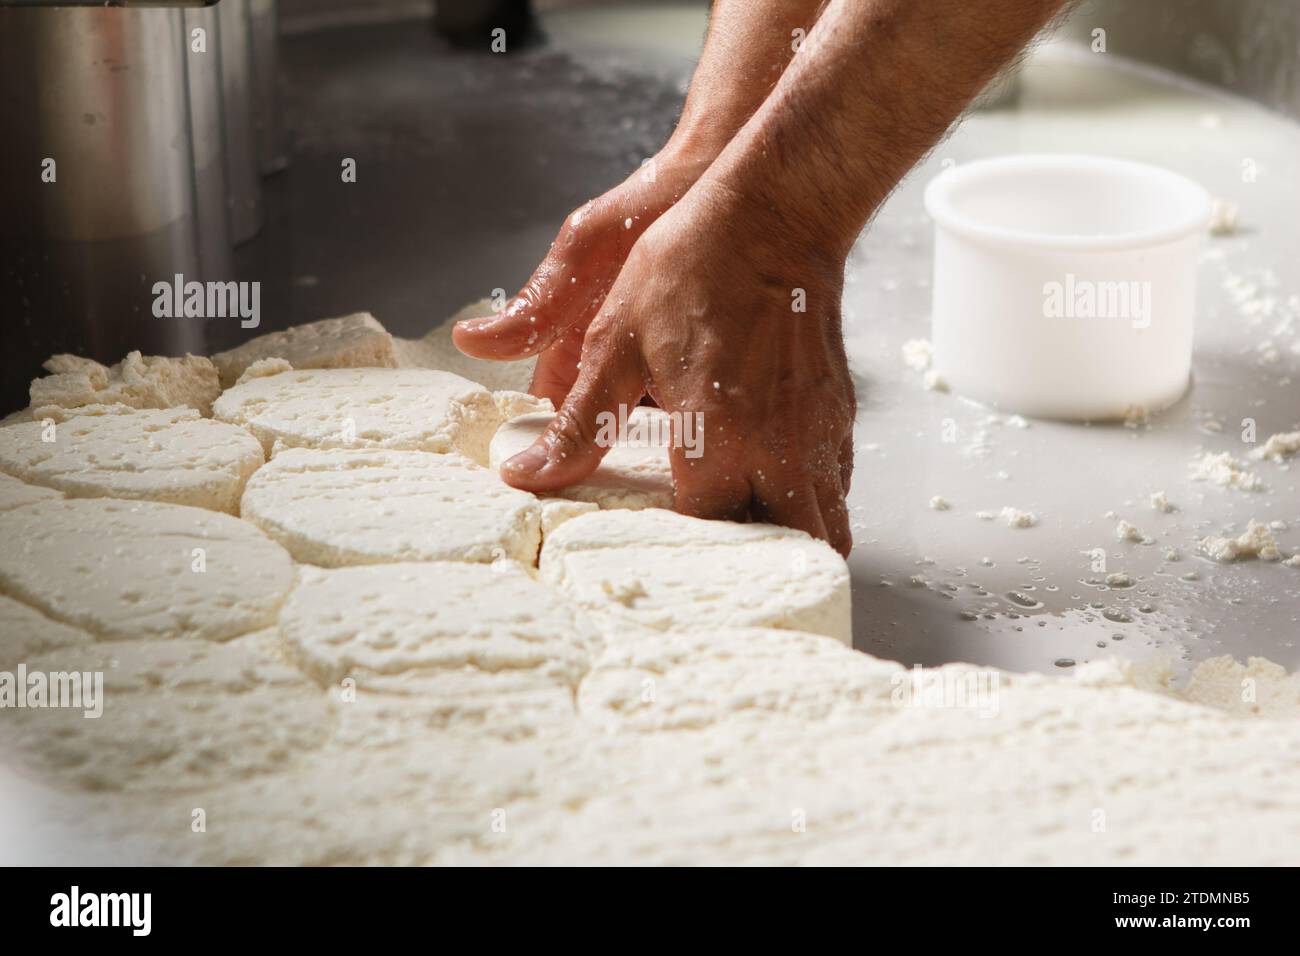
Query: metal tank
x=135, y=141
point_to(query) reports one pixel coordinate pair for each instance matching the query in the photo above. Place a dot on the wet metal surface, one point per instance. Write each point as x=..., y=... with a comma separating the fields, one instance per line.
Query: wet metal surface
x=466, y=165
x=935, y=586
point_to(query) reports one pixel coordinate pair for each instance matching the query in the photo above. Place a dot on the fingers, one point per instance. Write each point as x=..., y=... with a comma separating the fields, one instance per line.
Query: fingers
x=565, y=292
x=811, y=503
x=706, y=485
x=557, y=367
x=519, y=330
x=835, y=517
x=573, y=445
x=793, y=506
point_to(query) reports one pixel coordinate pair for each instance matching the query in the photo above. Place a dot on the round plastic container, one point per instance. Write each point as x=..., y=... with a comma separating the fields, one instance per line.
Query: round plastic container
x=1065, y=285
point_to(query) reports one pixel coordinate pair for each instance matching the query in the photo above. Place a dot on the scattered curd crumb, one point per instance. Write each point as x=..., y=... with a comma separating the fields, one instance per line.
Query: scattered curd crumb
x=627, y=223
x=939, y=503
x=1254, y=542
x=1225, y=471
x=986, y=515
x=1119, y=580
x=1173, y=554
x=1293, y=561
x=1279, y=447
x=1136, y=416
x=1128, y=532
x=1223, y=217
x=1161, y=503
x=935, y=382
x=917, y=354
x=1015, y=518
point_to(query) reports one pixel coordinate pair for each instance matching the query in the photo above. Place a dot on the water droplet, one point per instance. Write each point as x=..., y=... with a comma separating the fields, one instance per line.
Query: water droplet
x=1023, y=600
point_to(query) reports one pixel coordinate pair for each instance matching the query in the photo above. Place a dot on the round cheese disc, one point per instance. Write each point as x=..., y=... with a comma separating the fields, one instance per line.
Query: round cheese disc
x=170, y=455
x=410, y=628
x=408, y=409
x=336, y=507
x=664, y=571
x=139, y=569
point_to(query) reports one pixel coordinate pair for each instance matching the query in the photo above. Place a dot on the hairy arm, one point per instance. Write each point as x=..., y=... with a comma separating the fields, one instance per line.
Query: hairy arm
x=881, y=83
x=747, y=48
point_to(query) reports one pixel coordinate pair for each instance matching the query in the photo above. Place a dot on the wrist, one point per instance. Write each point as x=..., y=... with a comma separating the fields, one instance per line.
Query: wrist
x=690, y=151
x=754, y=236
x=783, y=207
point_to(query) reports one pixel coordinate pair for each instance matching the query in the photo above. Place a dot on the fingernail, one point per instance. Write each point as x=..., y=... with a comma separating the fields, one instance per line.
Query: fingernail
x=528, y=462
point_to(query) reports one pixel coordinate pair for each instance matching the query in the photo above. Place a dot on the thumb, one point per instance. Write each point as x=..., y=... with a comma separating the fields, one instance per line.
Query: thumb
x=565, y=291
x=519, y=330
x=579, y=436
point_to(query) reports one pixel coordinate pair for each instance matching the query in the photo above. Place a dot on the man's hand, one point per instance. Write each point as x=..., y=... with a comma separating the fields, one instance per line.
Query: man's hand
x=700, y=315
x=550, y=315
x=714, y=314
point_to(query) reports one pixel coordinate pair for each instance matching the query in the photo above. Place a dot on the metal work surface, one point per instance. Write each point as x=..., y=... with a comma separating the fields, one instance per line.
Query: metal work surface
x=935, y=586
x=466, y=164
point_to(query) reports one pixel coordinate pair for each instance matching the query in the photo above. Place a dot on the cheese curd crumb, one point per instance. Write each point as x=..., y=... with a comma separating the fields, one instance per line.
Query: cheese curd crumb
x=1225, y=471
x=1124, y=531
x=1160, y=502
x=1254, y=542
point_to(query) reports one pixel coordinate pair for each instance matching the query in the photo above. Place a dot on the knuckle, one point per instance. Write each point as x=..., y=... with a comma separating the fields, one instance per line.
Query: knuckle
x=599, y=338
x=607, y=342
x=532, y=295
x=565, y=436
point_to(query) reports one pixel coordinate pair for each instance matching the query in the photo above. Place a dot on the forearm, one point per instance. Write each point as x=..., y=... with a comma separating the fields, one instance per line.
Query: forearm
x=875, y=87
x=748, y=46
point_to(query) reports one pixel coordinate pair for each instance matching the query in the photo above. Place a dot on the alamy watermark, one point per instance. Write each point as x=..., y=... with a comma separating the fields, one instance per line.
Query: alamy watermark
x=179, y=299
x=1077, y=298
x=130, y=910
x=669, y=430
x=947, y=688
x=83, y=690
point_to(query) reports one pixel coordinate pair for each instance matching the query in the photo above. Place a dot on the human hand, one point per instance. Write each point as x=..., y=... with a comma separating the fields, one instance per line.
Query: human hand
x=704, y=318
x=550, y=315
